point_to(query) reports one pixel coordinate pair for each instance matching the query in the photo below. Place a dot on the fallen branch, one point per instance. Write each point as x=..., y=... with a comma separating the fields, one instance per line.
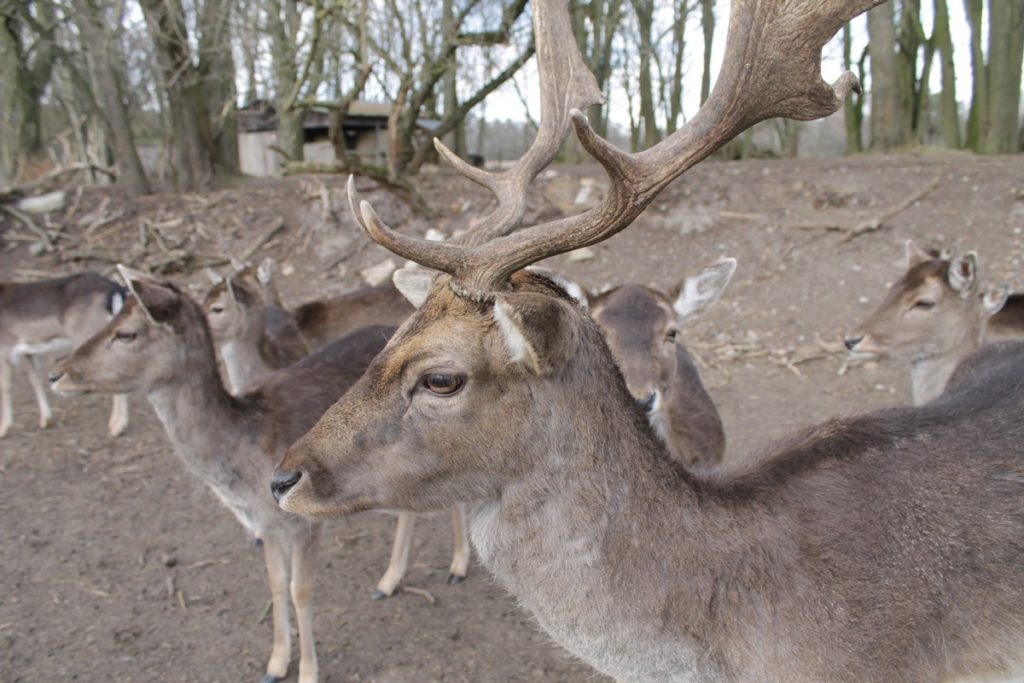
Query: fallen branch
x=261, y=240
x=420, y=592
x=873, y=224
x=44, y=237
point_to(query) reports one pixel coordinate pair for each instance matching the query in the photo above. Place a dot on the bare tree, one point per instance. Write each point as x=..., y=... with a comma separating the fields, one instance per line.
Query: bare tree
x=853, y=105
x=186, y=97
x=29, y=76
x=1005, y=50
x=948, y=108
x=887, y=122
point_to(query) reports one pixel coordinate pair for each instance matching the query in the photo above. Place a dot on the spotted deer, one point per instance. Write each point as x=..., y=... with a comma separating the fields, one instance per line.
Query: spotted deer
x=160, y=344
x=884, y=547
x=933, y=317
x=254, y=337
x=642, y=326
x=50, y=317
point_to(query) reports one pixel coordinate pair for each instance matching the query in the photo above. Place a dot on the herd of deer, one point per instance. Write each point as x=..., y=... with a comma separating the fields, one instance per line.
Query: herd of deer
x=882, y=547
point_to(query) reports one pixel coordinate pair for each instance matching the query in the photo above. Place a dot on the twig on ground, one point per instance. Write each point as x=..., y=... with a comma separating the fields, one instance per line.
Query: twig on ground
x=878, y=221
x=44, y=237
x=420, y=592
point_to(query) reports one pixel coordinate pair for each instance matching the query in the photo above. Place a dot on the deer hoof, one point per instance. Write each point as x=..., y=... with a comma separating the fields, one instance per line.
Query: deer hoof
x=455, y=578
x=267, y=678
x=378, y=595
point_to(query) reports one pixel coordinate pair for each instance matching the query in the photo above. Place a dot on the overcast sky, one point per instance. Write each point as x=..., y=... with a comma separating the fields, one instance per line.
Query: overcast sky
x=505, y=99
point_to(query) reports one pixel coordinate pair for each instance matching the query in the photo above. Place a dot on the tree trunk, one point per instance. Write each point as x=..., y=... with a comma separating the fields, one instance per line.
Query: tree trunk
x=948, y=108
x=979, y=77
x=707, y=24
x=190, y=121
x=110, y=108
x=283, y=26
x=217, y=73
x=678, y=48
x=909, y=39
x=645, y=23
x=1005, y=49
x=853, y=106
x=887, y=127
x=455, y=139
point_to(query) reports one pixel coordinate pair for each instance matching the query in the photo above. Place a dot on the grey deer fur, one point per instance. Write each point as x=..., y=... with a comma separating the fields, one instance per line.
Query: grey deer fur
x=160, y=344
x=49, y=317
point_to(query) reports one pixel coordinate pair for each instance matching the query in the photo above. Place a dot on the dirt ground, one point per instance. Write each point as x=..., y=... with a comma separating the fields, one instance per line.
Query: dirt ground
x=116, y=565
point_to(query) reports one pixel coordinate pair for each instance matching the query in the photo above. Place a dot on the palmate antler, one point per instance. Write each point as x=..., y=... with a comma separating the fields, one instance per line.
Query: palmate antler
x=772, y=67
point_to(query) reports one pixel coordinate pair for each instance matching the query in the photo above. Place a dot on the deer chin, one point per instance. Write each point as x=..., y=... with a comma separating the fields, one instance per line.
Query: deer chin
x=65, y=385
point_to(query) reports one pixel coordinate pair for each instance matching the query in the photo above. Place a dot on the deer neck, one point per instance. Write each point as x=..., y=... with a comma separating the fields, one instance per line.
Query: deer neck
x=217, y=436
x=930, y=375
x=584, y=540
x=243, y=363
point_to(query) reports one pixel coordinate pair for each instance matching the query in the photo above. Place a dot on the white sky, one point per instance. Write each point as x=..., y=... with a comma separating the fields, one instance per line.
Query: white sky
x=504, y=100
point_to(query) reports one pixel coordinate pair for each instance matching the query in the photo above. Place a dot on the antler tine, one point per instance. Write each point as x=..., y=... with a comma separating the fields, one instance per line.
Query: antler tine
x=566, y=84
x=772, y=67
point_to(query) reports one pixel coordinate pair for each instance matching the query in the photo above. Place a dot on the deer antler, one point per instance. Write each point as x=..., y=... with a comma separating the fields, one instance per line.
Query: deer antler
x=772, y=67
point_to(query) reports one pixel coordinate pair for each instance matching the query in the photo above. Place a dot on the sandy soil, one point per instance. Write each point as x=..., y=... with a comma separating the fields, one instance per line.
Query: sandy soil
x=116, y=565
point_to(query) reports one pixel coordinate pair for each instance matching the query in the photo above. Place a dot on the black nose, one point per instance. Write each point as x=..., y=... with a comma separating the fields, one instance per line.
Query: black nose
x=647, y=402
x=282, y=483
x=55, y=376
x=851, y=342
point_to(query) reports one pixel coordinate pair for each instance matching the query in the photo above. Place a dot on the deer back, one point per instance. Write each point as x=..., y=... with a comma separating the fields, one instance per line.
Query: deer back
x=324, y=320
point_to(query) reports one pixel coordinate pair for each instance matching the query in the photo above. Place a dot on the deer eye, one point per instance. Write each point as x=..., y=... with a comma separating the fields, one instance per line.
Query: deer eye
x=216, y=309
x=672, y=335
x=924, y=304
x=124, y=336
x=441, y=384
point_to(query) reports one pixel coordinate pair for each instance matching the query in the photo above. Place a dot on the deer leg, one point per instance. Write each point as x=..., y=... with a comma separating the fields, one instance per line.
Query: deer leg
x=399, y=557
x=304, y=554
x=6, y=415
x=276, y=554
x=460, y=558
x=36, y=380
x=118, y=415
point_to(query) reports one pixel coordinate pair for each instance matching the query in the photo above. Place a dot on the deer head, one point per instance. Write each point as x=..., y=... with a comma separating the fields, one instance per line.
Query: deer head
x=935, y=308
x=642, y=326
x=234, y=304
x=146, y=344
x=496, y=371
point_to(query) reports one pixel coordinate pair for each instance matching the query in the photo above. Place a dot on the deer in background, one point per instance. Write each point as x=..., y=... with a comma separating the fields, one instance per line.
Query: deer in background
x=885, y=547
x=159, y=344
x=642, y=327
x=254, y=337
x=253, y=334
x=934, y=316
x=50, y=317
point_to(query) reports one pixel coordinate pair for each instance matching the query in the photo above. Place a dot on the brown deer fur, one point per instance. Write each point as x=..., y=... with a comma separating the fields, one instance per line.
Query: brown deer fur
x=642, y=327
x=886, y=547
x=933, y=317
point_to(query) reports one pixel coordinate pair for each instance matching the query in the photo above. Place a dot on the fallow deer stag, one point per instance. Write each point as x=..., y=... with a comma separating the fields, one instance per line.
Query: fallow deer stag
x=642, y=327
x=934, y=316
x=160, y=344
x=49, y=317
x=255, y=337
x=886, y=547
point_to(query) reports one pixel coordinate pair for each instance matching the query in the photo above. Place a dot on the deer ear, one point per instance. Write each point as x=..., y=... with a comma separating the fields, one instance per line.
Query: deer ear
x=914, y=255
x=413, y=283
x=963, y=273
x=703, y=289
x=157, y=301
x=535, y=329
x=573, y=289
x=214, y=276
x=237, y=265
x=995, y=298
